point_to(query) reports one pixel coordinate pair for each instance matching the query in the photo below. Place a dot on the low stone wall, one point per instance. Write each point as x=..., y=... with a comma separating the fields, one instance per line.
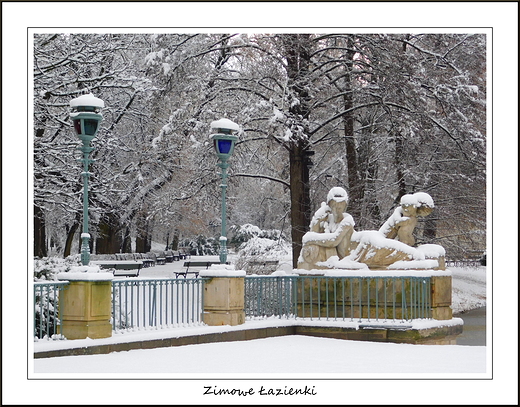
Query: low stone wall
x=441, y=335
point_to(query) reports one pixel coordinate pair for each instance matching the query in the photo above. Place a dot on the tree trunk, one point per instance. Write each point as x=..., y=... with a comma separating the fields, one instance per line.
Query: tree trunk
x=127, y=242
x=40, y=245
x=300, y=199
x=355, y=183
x=297, y=52
x=70, y=238
x=143, y=240
x=355, y=188
x=399, y=166
x=109, y=240
x=175, y=240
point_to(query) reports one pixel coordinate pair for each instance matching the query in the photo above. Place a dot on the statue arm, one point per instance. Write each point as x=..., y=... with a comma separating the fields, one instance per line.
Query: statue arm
x=329, y=239
x=391, y=226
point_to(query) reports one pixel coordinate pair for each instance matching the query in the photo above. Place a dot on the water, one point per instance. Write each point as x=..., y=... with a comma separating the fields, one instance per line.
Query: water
x=474, y=333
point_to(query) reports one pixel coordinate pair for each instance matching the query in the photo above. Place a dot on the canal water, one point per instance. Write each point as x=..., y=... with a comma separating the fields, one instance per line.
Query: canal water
x=474, y=333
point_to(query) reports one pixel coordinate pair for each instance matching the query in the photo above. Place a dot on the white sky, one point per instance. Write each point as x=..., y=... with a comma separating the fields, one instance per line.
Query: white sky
x=501, y=17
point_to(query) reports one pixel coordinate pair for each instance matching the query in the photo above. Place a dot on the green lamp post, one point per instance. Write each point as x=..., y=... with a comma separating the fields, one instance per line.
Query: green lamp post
x=86, y=118
x=224, y=143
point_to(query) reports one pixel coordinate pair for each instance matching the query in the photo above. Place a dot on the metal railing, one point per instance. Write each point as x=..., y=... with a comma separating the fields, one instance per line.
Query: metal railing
x=161, y=303
x=156, y=303
x=339, y=298
x=267, y=296
x=47, y=314
x=464, y=263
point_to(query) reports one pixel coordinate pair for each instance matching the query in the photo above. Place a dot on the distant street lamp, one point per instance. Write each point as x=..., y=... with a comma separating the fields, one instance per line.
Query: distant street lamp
x=85, y=117
x=224, y=142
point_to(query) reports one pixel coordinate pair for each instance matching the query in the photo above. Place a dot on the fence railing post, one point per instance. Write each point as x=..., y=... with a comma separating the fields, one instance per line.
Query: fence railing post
x=86, y=305
x=441, y=293
x=224, y=296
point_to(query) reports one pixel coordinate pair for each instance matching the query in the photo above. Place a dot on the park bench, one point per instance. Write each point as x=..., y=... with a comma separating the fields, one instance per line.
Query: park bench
x=161, y=260
x=147, y=259
x=169, y=256
x=194, y=264
x=148, y=262
x=122, y=268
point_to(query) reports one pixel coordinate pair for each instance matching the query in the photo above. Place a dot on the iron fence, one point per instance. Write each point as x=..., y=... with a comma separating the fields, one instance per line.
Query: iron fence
x=339, y=298
x=47, y=315
x=156, y=303
x=267, y=296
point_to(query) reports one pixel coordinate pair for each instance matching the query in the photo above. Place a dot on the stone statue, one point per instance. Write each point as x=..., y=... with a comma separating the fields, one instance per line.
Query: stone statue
x=330, y=232
x=392, y=245
x=333, y=243
x=404, y=219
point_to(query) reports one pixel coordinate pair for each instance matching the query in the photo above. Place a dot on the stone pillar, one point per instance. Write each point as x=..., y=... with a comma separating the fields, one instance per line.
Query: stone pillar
x=224, y=296
x=86, y=305
x=441, y=298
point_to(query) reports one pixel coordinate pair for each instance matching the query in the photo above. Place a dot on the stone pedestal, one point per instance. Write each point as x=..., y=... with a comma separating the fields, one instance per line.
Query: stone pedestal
x=86, y=308
x=441, y=297
x=224, y=301
x=372, y=298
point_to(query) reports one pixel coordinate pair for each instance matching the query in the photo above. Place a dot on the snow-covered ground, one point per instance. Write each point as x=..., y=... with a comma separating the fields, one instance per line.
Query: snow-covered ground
x=334, y=371
x=284, y=358
x=469, y=290
x=299, y=356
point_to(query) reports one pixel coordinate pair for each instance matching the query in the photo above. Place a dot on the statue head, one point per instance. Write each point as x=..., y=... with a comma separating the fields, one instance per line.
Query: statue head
x=417, y=204
x=337, y=198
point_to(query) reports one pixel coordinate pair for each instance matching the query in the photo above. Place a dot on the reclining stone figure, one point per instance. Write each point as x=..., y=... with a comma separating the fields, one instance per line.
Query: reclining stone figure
x=333, y=243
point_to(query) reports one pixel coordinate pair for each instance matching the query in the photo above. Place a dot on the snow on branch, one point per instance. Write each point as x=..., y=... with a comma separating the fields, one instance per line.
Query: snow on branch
x=263, y=176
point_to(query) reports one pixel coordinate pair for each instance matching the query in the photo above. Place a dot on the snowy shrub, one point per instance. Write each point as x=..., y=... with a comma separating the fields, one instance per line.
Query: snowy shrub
x=258, y=245
x=261, y=246
x=242, y=234
x=202, y=246
x=46, y=268
x=46, y=301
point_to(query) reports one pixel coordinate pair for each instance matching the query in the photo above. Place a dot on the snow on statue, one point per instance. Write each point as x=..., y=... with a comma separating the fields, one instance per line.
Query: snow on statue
x=404, y=219
x=330, y=231
x=333, y=243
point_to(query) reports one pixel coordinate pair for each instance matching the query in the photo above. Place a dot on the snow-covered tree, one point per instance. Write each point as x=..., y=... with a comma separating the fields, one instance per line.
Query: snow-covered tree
x=378, y=114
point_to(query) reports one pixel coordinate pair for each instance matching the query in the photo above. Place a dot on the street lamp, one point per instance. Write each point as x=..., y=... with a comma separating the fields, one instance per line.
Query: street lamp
x=85, y=117
x=224, y=143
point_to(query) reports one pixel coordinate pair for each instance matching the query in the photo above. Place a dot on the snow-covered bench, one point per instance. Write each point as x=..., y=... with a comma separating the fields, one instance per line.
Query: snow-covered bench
x=122, y=268
x=194, y=264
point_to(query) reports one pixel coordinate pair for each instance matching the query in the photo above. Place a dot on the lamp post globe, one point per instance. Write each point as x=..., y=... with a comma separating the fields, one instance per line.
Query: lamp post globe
x=85, y=117
x=224, y=142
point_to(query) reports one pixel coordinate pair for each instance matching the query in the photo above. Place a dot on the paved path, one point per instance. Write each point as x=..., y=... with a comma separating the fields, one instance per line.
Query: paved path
x=474, y=333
